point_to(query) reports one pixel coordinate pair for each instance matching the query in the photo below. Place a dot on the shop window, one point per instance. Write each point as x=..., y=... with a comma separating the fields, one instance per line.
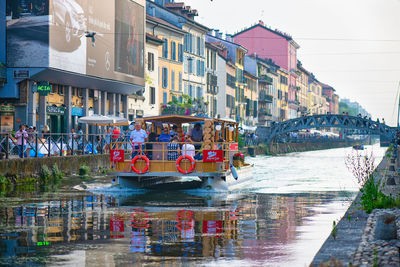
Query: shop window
x=80, y=92
x=54, y=88
x=61, y=90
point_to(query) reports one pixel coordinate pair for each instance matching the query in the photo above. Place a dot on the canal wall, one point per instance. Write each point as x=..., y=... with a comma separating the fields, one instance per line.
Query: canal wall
x=68, y=165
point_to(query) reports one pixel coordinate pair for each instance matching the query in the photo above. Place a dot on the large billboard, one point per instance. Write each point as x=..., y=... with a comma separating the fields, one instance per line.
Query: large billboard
x=101, y=38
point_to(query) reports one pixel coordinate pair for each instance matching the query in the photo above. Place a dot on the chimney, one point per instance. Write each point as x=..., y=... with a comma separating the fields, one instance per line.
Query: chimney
x=220, y=35
x=216, y=33
x=261, y=22
x=228, y=37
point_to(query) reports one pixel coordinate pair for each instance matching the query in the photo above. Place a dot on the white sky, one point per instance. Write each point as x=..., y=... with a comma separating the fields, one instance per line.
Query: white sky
x=352, y=45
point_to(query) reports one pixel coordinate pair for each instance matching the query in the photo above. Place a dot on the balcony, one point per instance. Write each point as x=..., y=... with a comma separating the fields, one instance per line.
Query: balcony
x=293, y=104
x=263, y=97
x=266, y=79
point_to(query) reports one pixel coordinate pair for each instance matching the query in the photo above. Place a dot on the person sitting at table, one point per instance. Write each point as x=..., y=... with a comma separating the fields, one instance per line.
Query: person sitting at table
x=164, y=136
x=173, y=149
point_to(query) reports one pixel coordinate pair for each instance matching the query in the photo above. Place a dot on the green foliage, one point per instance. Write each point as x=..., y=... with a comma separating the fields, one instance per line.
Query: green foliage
x=103, y=170
x=56, y=174
x=374, y=198
x=375, y=259
x=3, y=179
x=45, y=175
x=83, y=170
x=241, y=141
x=343, y=107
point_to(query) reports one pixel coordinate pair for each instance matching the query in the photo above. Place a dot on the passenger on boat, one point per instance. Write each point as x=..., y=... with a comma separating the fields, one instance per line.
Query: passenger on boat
x=173, y=149
x=164, y=136
x=149, y=146
x=188, y=148
x=199, y=153
x=197, y=135
x=174, y=131
x=138, y=137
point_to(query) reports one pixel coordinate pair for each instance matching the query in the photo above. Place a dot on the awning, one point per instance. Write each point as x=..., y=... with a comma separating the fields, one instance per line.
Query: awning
x=86, y=81
x=102, y=120
x=249, y=128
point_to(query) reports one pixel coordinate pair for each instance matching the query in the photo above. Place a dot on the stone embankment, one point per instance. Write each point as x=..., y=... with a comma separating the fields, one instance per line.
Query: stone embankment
x=363, y=239
x=68, y=164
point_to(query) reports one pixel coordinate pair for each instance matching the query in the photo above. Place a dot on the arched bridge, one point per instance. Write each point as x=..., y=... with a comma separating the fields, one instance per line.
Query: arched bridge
x=322, y=121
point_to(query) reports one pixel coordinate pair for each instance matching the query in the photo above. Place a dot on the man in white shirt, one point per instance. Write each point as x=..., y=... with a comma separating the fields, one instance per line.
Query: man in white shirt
x=188, y=148
x=138, y=137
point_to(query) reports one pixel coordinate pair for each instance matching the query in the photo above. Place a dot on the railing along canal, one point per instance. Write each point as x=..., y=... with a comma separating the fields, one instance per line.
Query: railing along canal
x=54, y=144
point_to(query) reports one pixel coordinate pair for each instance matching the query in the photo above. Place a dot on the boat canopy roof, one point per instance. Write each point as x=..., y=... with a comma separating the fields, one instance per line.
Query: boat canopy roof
x=179, y=119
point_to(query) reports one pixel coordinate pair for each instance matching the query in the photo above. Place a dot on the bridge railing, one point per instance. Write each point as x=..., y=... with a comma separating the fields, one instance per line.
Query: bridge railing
x=53, y=144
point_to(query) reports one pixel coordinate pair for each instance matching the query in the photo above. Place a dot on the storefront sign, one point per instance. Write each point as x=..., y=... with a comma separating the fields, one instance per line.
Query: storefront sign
x=55, y=110
x=21, y=74
x=7, y=109
x=77, y=111
x=212, y=227
x=234, y=147
x=117, y=155
x=213, y=156
x=43, y=88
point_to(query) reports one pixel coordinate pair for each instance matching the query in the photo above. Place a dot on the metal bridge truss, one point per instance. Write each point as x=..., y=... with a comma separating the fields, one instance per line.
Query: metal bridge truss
x=322, y=121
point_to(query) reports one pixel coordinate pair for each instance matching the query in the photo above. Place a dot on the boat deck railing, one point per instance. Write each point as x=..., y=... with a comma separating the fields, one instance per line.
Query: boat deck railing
x=164, y=155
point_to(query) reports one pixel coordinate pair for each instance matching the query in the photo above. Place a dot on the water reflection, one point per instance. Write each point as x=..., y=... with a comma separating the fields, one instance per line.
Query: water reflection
x=88, y=229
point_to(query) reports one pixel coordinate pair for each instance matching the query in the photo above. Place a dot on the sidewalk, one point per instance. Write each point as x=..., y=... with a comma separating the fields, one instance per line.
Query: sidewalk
x=366, y=239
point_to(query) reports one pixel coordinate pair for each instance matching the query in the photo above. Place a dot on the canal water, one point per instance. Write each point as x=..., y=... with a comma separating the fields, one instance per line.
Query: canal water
x=281, y=218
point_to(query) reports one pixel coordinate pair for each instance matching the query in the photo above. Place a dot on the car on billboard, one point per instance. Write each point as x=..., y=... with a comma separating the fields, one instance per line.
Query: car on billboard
x=69, y=15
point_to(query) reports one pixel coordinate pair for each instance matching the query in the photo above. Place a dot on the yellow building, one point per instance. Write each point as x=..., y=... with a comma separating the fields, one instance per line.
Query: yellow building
x=302, y=88
x=283, y=95
x=170, y=60
x=240, y=84
x=251, y=99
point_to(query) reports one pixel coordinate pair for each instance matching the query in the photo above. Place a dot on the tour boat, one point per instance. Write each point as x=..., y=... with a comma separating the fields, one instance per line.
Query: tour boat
x=213, y=162
x=358, y=147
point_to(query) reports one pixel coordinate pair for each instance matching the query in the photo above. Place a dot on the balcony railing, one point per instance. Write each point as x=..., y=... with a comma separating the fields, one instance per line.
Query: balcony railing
x=263, y=97
x=267, y=79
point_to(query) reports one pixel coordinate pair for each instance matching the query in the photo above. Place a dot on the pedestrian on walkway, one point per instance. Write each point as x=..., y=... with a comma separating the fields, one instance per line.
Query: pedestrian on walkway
x=21, y=136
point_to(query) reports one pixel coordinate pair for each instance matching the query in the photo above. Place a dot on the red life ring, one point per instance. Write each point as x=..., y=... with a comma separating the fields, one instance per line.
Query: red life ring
x=146, y=159
x=178, y=163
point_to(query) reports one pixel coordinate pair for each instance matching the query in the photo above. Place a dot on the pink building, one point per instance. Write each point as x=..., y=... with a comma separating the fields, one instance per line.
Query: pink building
x=329, y=92
x=280, y=47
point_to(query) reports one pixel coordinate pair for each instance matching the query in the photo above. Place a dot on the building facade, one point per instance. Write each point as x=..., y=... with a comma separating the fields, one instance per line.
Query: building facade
x=71, y=73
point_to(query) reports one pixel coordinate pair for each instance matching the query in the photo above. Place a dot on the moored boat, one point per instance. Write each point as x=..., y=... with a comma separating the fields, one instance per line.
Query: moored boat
x=201, y=159
x=358, y=147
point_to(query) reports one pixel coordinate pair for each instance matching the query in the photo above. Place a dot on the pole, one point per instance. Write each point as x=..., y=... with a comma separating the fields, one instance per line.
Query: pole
x=398, y=109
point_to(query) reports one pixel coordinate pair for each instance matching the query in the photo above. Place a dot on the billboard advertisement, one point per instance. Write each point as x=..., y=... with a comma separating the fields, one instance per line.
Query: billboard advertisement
x=27, y=31
x=101, y=38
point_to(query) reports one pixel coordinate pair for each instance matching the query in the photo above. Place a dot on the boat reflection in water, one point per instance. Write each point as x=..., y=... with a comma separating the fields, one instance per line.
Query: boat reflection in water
x=169, y=227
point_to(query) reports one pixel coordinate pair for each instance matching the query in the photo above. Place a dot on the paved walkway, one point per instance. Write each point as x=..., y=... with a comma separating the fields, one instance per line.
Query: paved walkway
x=366, y=239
